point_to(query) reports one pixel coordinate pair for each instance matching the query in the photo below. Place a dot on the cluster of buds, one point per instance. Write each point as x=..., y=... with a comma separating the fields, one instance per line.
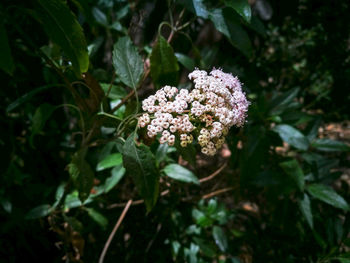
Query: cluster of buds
x=206, y=113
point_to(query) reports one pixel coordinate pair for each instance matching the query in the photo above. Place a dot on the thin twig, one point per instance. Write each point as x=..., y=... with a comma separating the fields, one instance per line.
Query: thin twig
x=221, y=191
x=137, y=202
x=213, y=174
x=109, y=240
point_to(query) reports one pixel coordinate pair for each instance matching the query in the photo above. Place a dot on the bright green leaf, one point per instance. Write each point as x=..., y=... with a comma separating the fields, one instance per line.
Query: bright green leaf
x=6, y=61
x=110, y=161
x=328, y=145
x=220, y=238
x=226, y=24
x=305, y=208
x=242, y=7
x=97, y=217
x=81, y=174
x=164, y=66
x=140, y=164
x=292, y=168
x=62, y=28
x=327, y=195
x=177, y=172
x=292, y=136
x=117, y=174
x=39, y=211
x=127, y=62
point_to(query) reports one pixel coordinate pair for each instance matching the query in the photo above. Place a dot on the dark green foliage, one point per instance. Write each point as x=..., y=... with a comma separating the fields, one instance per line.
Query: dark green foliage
x=74, y=74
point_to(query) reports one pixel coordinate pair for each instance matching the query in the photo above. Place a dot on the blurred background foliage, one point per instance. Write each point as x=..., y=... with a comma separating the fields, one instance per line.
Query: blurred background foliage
x=278, y=191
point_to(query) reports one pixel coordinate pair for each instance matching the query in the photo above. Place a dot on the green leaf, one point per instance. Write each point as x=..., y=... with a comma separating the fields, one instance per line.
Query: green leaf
x=110, y=161
x=305, y=208
x=292, y=168
x=117, y=174
x=220, y=238
x=81, y=174
x=197, y=7
x=41, y=116
x=242, y=7
x=62, y=28
x=180, y=173
x=140, y=164
x=164, y=66
x=279, y=104
x=327, y=195
x=186, y=61
x=207, y=248
x=225, y=23
x=38, y=212
x=99, y=16
x=292, y=136
x=328, y=145
x=6, y=61
x=127, y=62
x=6, y=205
x=97, y=217
x=117, y=92
x=26, y=97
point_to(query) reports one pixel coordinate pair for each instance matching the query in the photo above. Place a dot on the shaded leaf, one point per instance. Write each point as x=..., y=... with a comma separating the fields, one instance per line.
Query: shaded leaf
x=283, y=101
x=305, y=208
x=140, y=164
x=207, y=248
x=186, y=61
x=220, y=238
x=81, y=174
x=18, y=102
x=292, y=136
x=127, y=62
x=242, y=7
x=62, y=28
x=117, y=174
x=328, y=145
x=225, y=23
x=97, y=217
x=41, y=116
x=293, y=169
x=327, y=195
x=39, y=211
x=197, y=7
x=6, y=61
x=117, y=92
x=164, y=66
x=110, y=161
x=180, y=173
x=99, y=16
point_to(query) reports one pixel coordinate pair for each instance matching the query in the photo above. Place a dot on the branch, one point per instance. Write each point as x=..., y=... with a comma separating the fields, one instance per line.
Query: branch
x=218, y=192
x=109, y=240
x=205, y=179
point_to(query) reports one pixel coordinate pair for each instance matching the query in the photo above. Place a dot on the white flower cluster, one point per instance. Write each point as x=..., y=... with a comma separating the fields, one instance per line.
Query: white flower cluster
x=206, y=112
